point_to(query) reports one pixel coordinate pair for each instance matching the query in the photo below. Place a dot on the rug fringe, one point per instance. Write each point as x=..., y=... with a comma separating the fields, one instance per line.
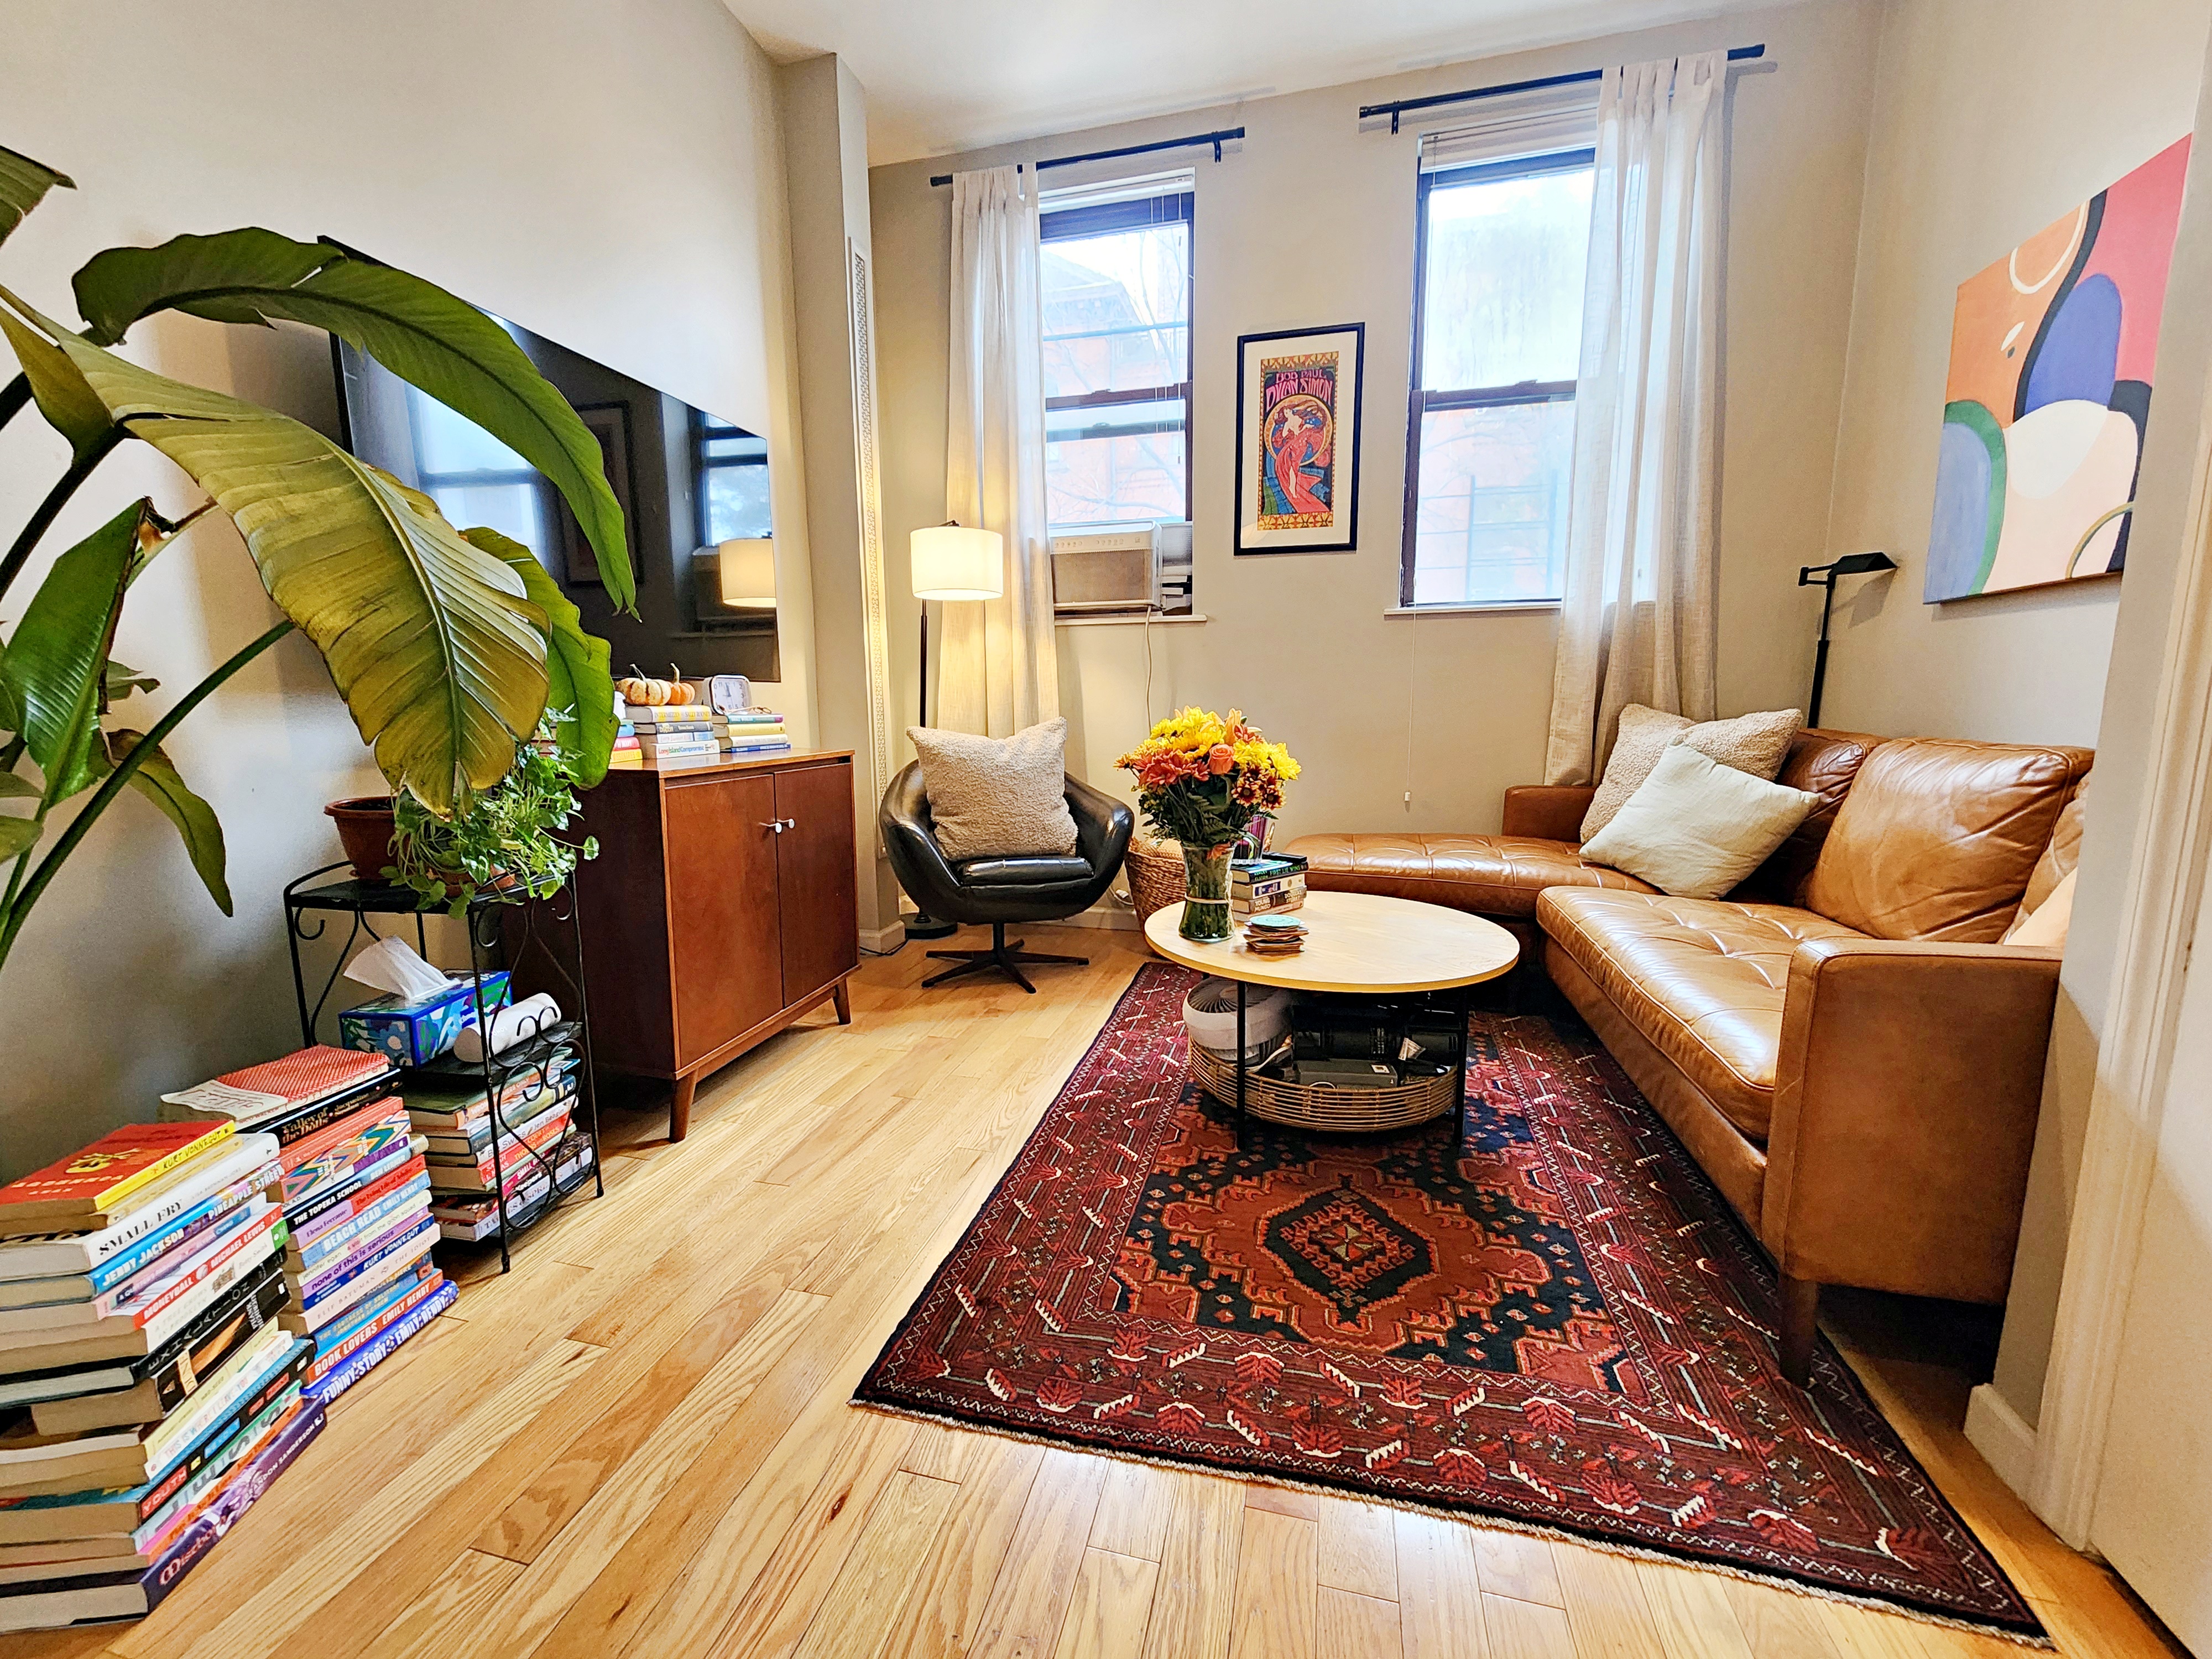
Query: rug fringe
x=1499, y=1522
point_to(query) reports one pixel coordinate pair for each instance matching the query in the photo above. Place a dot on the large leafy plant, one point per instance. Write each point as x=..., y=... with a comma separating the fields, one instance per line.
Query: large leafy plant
x=448, y=646
x=503, y=841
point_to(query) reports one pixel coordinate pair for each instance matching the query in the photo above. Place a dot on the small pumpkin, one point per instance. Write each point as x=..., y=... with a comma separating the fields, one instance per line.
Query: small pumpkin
x=679, y=689
x=644, y=690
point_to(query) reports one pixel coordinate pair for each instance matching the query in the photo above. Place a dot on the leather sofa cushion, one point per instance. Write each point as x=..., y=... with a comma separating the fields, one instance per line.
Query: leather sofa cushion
x=2059, y=858
x=1703, y=980
x=1937, y=839
x=1820, y=761
x=1487, y=875
x=1033, y=872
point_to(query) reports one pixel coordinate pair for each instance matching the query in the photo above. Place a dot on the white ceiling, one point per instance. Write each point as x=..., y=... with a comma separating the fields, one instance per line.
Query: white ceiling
x=952, y=75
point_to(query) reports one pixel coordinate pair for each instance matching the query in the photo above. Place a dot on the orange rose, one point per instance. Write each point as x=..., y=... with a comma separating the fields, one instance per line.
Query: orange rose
x=1219, y=759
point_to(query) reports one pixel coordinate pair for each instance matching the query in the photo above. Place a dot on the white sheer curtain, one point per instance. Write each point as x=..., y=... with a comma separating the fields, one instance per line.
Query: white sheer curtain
x=1637, y=625
x=1000, y=672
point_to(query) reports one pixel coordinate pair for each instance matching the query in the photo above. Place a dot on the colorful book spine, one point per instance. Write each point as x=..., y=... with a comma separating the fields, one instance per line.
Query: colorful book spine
x=369, y=1357
x=515, y=1151
x=363, y=1282
x=333, y=1243
x=340, y=1340
x=326, y=1168
x=352, y=1206
x=366, y=1251
x=312, y=1214
x=253, y=1477
x=97, y=1178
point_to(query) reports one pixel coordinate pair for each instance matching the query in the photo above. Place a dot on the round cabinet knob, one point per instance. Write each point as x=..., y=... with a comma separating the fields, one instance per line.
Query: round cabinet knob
x=776, y=824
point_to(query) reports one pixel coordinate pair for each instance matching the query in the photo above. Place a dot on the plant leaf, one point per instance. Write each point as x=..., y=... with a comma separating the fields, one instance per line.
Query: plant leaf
x=56, y=660
x=61, y=396
x=430, y=339
x=23, y=185
x=157, y=780
x=121, y=680
x=434, y=645
x=14, y=787
x=18, y=835
x=575, y=662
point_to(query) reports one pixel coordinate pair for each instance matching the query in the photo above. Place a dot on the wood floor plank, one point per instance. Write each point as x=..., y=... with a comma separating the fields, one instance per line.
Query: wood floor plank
x=942, y=1452
x=1779, y=1626
x=1276, y=1587
x=470, y=1584
x=856, y=1619
x=1359, y=1548
x=1029, y=1600
x=1194, y=1606
x=1606, y=1607
x=1106, y=1613
x=1439, y=1588
x=1525, y=1630
x=1347, y=1626
x=1692, y=1611
x=1282, y=1500
x=953, y=1586
x=1134, y=1507
x=1515, y=1564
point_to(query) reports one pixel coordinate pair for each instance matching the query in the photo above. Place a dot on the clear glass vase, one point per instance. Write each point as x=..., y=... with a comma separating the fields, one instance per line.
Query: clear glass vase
x=1206, y=892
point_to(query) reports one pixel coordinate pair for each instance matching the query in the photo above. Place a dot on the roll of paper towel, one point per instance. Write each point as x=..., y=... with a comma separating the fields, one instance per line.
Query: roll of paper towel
x=510, y=1026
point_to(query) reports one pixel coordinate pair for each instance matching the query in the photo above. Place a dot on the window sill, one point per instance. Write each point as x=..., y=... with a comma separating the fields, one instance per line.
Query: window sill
x=1130, y=620
x=1502, y=607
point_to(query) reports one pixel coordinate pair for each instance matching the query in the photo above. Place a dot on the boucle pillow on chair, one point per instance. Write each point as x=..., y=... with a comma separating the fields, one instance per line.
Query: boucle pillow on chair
x=1753, y=743
x=1694, y=828
x=997, y=797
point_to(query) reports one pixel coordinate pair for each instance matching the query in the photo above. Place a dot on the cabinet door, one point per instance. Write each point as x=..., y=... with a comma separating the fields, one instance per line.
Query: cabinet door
x=814, y=861
x=724, y=937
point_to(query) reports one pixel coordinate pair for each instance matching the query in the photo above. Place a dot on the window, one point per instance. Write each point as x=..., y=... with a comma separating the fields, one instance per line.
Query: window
x=474, y=478
x=1116, y=274
x=1497, y=309
x=732, y=480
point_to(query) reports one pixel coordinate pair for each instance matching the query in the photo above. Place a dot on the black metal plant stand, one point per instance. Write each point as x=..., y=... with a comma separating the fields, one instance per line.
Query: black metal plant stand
x=497, y=926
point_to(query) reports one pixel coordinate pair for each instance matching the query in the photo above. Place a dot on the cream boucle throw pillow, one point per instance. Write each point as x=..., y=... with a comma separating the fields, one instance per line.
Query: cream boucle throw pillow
x=1753, y=743
x=1694, y=829
x=998, y=797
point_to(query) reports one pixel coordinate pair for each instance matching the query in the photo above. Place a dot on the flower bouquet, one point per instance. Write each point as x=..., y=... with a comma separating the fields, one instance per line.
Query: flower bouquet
x=1200, y=780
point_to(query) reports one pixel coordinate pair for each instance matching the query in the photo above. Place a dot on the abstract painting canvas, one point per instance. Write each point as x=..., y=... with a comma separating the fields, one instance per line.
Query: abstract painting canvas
x=2052, y=349
x=1298, y=423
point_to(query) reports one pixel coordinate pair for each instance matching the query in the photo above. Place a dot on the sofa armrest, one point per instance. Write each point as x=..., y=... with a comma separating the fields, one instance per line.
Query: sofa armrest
x=1547, y=811
x=1907, y=1084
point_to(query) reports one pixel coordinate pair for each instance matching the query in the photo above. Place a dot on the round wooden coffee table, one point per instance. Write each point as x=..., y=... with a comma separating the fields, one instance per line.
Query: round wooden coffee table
x=1361, y=943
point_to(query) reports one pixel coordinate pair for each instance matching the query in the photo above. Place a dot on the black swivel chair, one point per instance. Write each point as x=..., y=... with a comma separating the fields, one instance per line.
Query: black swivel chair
x=1042, y=888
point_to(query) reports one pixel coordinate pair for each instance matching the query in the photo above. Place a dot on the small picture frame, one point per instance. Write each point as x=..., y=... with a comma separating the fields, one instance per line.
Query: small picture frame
x=1297, y=440
x=610, y=424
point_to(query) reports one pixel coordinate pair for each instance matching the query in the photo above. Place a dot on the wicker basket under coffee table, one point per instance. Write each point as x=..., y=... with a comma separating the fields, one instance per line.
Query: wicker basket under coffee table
x=1366, y=945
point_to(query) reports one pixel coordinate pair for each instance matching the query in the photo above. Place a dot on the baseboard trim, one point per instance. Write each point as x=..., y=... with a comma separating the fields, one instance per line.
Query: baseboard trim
x=881, y=940
x=1107, y=916
x=2002, y=1436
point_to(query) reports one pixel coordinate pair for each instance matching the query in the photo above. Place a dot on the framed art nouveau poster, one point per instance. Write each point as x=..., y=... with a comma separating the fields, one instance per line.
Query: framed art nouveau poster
x=1297, y=440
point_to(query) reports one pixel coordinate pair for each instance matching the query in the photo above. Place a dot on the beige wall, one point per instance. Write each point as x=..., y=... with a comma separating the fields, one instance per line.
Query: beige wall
x=608, y=175
x=1311, y=222
x=1969, y=154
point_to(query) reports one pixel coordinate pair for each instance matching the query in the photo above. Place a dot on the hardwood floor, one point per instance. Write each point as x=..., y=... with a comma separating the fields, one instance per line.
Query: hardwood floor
x=638, y=1442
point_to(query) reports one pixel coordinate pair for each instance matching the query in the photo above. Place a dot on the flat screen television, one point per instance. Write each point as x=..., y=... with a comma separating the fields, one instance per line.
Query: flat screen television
x=688, y=481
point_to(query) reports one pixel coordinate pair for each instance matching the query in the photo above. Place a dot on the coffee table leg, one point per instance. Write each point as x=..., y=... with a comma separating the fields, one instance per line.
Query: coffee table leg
x=1464, y=1002
x=1240, y=1065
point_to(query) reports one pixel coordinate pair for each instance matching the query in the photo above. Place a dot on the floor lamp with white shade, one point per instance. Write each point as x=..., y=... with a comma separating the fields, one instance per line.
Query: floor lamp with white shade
x=951, y=561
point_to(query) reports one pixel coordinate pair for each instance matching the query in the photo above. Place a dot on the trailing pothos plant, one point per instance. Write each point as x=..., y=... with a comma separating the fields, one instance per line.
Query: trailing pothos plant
x=448, y=646
x=503, y=841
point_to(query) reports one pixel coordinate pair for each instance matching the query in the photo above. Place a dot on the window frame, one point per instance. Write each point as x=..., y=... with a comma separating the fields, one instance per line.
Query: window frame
x=1421, y=399
x=1176, y=205
x=702, y=463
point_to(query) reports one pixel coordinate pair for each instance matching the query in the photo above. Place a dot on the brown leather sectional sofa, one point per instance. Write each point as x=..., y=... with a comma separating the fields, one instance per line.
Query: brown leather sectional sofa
x=1843, y=1043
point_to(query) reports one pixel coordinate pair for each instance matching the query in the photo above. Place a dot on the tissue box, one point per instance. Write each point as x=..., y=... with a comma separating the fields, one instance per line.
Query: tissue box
x=415, y=1033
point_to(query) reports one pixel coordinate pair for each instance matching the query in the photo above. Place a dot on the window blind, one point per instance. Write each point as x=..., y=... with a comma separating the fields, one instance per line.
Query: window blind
x=1565, y=117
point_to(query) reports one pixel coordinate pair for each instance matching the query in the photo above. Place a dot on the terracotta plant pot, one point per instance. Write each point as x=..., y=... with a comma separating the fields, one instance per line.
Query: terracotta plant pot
x=365, y=833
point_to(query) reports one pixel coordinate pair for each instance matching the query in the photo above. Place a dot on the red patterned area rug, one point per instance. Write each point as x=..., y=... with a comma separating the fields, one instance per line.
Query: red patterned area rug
x=1561, y=1328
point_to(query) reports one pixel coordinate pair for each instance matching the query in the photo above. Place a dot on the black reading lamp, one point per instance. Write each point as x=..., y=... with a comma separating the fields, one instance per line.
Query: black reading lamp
x=1823, y=576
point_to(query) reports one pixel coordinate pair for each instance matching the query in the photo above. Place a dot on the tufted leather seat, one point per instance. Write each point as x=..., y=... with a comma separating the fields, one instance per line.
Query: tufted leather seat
x=1489, y=875
x=1703, y=980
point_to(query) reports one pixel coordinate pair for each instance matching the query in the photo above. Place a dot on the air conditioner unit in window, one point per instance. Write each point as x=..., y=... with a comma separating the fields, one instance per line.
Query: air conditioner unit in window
x=1112, y=568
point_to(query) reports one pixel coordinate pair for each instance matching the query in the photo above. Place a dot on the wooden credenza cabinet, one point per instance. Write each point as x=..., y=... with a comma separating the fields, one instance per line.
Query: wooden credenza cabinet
x=722, y=906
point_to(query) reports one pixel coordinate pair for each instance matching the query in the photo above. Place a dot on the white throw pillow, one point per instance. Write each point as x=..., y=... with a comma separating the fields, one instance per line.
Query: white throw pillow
x=1754, y=743
x=2045, y=924
x=1695, y=829
x=998, y=797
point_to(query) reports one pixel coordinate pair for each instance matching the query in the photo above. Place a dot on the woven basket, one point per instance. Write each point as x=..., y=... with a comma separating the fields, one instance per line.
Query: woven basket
x=1306, y=1106
x=1155, y=869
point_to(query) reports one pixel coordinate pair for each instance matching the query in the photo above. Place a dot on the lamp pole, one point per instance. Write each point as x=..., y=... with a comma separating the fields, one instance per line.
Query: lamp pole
x=1823, y=576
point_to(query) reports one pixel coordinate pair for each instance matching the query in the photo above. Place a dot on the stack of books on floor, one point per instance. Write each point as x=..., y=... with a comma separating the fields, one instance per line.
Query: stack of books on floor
x=357, y=1200
x=1273, y=881
x=671, y=734
x=538, y=1151
x=752, y=733
x=150, y=1387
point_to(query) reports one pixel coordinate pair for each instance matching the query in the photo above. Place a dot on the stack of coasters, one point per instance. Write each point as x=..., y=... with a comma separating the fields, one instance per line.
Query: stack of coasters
x=1274, y=936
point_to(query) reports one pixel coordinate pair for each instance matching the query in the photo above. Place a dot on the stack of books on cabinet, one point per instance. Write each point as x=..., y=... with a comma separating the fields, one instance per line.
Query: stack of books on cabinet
x=751, y=733
x=518, y=1139
x=151, y=1387
x=669, y=734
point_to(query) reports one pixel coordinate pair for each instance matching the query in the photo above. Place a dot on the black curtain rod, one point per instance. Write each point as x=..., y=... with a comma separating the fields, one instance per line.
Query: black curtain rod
x=1216, y=139
x=1736, y=55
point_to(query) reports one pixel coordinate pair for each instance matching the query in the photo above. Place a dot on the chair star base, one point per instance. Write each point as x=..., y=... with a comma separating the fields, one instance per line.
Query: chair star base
x=1002, y=957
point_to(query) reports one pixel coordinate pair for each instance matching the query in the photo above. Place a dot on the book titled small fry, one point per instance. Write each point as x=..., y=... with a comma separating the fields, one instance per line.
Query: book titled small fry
x=91, y=1185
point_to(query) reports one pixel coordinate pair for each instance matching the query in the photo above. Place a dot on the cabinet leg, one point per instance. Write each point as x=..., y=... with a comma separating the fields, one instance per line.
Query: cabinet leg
x=1800, y=1312
x=842, y=996
x=680, y=1107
